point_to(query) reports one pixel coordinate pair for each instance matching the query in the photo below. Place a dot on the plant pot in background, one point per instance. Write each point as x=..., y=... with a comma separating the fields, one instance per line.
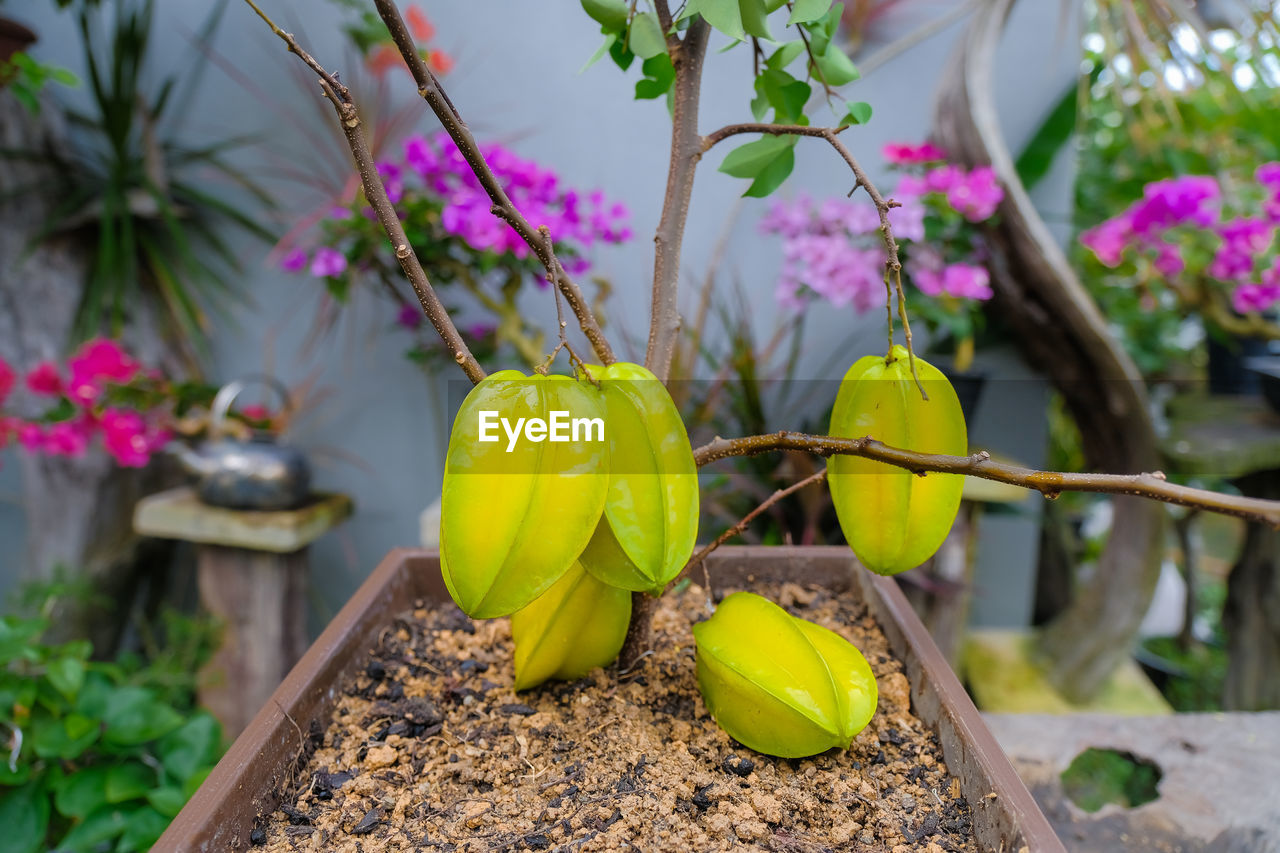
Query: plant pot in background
x=1228, y=364
x=968, y=385
x=249, y=780
x=14, y=37
x=1265, y=371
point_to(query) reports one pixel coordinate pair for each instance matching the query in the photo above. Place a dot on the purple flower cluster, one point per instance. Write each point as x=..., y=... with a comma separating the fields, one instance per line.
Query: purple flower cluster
x=1172, y=214
x=822, y=255
x=434, y=170
x=832, y=249
x=537, y=192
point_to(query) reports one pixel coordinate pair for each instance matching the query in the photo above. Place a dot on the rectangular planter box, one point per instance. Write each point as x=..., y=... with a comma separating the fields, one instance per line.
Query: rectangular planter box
x=244, y=785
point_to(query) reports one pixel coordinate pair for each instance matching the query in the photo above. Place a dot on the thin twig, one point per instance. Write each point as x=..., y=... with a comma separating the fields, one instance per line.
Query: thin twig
x=893, y=266
x=575, y=360
x=1151, y=485
x=699, y=558
x=433, y=93
x=376, y=194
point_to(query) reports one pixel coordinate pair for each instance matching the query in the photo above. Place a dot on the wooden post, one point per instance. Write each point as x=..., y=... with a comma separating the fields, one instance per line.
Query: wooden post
x=252, y=569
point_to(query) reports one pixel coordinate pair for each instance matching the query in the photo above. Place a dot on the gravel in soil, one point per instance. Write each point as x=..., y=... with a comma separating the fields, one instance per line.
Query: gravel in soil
x=430, y=749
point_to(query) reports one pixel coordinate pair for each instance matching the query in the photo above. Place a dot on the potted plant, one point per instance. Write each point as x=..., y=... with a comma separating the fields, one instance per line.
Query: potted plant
x=577, y=540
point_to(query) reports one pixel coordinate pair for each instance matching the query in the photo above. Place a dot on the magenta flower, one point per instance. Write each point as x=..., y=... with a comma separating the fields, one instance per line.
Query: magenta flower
x=1190, y=199
x=66, y=438
x=1108, y=240
x=1242, y=240
x=977, y=194
x=45, y=380
x=294, y=261
x=1168, y=260
x=328, y=262
x=124, y=435
x=31, y=437
x=410, y=316
x=943, y=178
x=102, y=358
x=1268, y=174
x=7, y=380
x=1249, y=298
x=966, y=281
x=905, y=154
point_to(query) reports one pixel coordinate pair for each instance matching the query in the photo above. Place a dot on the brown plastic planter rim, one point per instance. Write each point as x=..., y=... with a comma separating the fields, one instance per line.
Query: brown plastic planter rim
x=245, y=783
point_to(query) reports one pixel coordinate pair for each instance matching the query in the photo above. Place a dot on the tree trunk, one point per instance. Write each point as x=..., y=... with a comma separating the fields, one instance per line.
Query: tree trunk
x=1060, y=331
x=78, y=511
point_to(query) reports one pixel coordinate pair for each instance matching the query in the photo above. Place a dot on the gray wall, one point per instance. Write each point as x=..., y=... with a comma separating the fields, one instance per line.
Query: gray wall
x=378, y=435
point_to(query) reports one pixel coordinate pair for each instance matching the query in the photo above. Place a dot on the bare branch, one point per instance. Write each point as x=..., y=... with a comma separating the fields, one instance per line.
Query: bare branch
x=433, y=93
x=686, y=149
x=1048, y=483
x=736, y=529
x=376, y=194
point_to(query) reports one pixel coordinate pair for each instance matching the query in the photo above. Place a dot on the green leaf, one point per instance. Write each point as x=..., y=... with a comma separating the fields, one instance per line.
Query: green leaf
x=724, y=15
x=184, y=751
x=66, y=675
x=65, y=737
x=804, y=11
x=82, y=792
x=787, y=95
x=611, y=14
x=747, y=161
x=645, y=39
x=168, y=800
x=609, y=41
x=835, y=68
x=858, y=112
x=753, y=14
x=1037, y=158
x=659, y=74
x=24, y=819
x=102, y=825
x=129, y=781
x=135, y=715
x=772, y=175
x=142, y=830
x=785, y=55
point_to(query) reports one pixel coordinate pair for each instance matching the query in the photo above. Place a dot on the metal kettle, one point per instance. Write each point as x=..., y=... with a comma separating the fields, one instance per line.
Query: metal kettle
x=259, y=473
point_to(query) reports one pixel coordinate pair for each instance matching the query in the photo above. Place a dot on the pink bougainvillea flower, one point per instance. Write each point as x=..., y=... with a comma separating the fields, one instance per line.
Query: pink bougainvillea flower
x=1187, y=199
x=977, y=194
x=124, y=435
x=1249, y=298
x=44, y=379
x=8, y=377
x=328, y=262
x=1243, y=240
x=30, y=436
x=907, y=219
x=943, y=178
x=294, y=260
x=1108, y=240
x=906, y=154
x=1168, y=260
x=381, y=59
x=967, y=281
x=419, y=25
x=410, y=316
x=102, y=358
x=1268, y=174
x=66, y=438
x=440, y=62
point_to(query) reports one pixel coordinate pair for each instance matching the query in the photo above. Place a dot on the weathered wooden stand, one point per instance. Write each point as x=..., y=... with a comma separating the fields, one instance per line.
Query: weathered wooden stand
x=252, y=570
x=1238, y=438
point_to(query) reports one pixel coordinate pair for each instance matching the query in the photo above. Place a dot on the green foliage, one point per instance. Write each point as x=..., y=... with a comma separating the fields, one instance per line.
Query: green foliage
x=130, y=190
x=1132, y=134
x=25, y=78
x=1096, y=777
x=101, y=755
x=630, y=32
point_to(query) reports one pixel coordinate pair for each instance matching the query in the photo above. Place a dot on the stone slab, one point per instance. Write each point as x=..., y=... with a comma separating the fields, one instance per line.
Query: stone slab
x=1219, y=791
x=1000, y=668
x=179, y=514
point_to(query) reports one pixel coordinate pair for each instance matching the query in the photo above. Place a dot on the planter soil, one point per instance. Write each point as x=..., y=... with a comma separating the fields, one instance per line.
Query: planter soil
x=422, y=745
